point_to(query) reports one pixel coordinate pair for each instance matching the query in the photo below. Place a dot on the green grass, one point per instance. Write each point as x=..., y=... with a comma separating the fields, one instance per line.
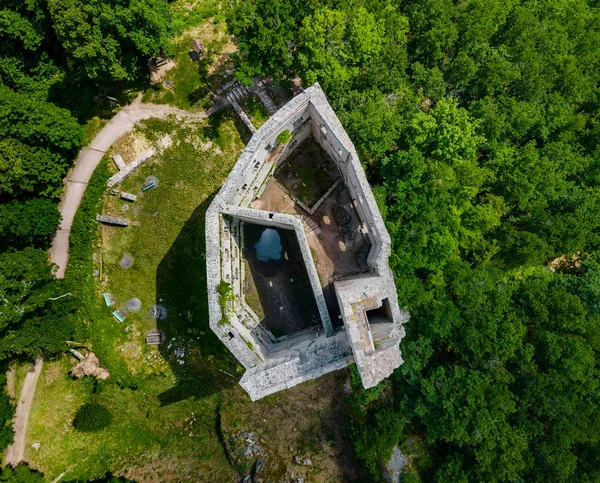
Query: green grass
x=194, y=82
x=253, y=301
x=183, y=17
x=91, y=128
x=313, y=185
x=255, y=110
x=164, y=412
x=21, y=369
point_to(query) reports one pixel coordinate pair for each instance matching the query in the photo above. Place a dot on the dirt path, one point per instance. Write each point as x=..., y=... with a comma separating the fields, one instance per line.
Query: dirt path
x=89, y=157
x=16, y=452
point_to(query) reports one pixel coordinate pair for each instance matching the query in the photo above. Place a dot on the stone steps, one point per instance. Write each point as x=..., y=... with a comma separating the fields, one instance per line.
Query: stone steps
x=311, y=224
x=270, y=106
x=237, y=93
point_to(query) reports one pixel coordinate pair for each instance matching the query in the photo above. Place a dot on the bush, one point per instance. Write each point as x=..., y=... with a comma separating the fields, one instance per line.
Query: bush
x=225, y=292
x=92, y=417
x=7, y=412
x=21, y=474
x=284, y=137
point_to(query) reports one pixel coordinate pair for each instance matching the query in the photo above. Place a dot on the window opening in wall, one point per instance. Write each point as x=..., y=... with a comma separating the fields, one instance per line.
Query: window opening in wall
x=380, y=315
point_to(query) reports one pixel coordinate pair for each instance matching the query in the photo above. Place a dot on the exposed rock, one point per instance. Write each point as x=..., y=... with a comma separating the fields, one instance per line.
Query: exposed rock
x=258, y=466
x=90, y=366
x=302, y=461
x=393, y=469
x=158, y=312
x=249, y=443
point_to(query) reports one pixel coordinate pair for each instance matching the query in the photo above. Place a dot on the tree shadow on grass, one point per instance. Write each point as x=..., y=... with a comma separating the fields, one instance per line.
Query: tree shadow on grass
x=211, y=130
x=199, y=360
x=204, y=89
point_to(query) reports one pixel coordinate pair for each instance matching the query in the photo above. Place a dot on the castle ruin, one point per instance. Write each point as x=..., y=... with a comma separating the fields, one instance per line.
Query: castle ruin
x=297, y=256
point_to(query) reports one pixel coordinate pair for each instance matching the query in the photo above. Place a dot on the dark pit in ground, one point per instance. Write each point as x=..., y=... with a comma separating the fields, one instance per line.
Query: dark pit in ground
x=280, y=280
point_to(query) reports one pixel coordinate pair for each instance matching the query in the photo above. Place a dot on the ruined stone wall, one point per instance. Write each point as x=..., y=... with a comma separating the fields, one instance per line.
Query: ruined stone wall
x=307, y=360
x=329, y=132
x=260, y=156
x=291, y=117
x=281, y=220
x=307, y=355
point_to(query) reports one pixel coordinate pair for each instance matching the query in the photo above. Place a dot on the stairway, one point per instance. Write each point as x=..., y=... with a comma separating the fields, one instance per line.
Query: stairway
x=311, y=224
x=234, y=96
x=237, y=93
x=270, y=106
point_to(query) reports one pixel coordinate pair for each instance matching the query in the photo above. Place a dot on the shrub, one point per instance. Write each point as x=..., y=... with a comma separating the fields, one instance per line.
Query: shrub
x=92, y=417
x=284, y=137
x=6, y=413
x=21, y=474
x=225, y=292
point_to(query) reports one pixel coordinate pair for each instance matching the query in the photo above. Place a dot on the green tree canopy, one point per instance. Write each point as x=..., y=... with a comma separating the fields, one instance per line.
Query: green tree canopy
x=110, y=41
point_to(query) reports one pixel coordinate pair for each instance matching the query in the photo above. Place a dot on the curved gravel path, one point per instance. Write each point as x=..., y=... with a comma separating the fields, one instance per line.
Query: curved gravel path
x=76, y=183
x=16, y=451
x=89, y=157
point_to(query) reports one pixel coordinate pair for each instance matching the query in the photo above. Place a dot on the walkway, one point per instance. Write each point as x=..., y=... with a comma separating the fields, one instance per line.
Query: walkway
x=16, y=451
x=89, y=158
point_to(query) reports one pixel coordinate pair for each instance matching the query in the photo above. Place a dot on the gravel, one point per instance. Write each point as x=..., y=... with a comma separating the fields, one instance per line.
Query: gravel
x=134, y=305
x=127, y=261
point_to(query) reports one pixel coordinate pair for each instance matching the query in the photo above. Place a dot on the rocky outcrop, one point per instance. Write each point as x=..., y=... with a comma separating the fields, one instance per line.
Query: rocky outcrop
x=89, y=366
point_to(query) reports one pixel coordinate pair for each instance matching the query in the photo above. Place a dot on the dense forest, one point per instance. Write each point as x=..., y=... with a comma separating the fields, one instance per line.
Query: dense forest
x=478, y=124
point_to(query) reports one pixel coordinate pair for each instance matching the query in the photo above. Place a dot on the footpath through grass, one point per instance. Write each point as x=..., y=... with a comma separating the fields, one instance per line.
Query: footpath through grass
x=194, y=82
x=164, y=402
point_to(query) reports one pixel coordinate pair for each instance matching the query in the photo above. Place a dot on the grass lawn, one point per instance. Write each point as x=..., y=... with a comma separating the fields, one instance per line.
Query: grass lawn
x=16, y=378
x=164, y=411
x=255, y=110
x=194, y=82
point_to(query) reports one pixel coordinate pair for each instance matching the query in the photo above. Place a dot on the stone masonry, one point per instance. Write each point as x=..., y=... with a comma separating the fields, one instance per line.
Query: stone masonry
x=372, y=320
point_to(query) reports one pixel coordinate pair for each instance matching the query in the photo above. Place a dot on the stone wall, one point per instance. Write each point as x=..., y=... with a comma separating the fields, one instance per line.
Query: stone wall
x=274, y=364
x=281, y=220
x=330, y=133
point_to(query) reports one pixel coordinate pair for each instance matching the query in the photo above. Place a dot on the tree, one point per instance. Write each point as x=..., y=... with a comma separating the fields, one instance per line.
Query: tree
x=92, y=417
x=110, y=41
x=266, y=32
x=33, y=319
x=31, y=222
x=334, y=44
x=20, y=474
